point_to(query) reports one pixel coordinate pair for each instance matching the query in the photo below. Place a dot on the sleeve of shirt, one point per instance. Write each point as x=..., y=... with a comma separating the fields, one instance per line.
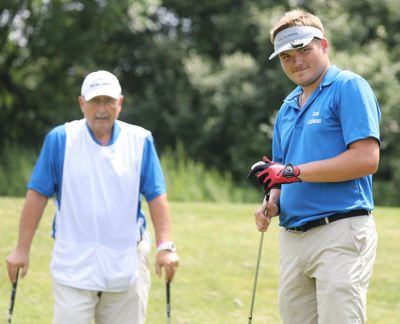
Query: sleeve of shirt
x=152, y=181
x=46, y=177
x=358, y=111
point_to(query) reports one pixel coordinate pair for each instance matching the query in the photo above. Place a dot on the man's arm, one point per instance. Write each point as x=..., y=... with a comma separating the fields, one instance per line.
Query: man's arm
x=32, y=212
x=161, y=219
x=359, y=160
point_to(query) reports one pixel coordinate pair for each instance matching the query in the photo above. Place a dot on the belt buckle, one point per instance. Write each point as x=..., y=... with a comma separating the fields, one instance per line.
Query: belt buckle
x=326, y=220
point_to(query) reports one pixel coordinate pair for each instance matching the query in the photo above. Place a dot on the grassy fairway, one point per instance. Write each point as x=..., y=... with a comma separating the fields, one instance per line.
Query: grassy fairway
x=218, y=247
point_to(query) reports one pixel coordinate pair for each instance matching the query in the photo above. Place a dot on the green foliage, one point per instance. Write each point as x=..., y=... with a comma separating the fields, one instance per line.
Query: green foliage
x=15, y=170
x=387, y=191
x=190, y=70
x=228, y=92
x=189, y=180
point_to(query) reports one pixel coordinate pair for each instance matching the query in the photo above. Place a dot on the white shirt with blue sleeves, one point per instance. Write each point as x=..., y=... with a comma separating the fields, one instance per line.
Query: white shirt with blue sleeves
x=98, y=189
x=342, y=110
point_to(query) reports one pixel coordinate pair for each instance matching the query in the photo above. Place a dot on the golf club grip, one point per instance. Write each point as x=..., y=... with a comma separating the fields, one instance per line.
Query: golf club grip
x=168, y=304
x=12, y=299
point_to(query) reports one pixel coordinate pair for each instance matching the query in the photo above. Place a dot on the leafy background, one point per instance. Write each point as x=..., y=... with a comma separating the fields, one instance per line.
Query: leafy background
x=195, y=73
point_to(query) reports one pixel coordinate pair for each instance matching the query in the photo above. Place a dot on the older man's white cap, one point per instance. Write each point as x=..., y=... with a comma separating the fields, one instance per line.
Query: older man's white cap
x=295, y=37
x=100, y=83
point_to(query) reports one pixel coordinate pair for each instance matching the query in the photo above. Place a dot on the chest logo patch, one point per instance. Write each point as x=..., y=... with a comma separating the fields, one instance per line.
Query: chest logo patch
x=314, y=120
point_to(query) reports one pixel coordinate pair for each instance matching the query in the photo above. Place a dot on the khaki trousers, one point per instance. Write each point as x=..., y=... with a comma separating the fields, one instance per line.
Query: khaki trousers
x=324, y=272
x=78, y=306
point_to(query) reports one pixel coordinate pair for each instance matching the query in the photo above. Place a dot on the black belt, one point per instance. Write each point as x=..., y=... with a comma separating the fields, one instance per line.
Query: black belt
x=329, y=219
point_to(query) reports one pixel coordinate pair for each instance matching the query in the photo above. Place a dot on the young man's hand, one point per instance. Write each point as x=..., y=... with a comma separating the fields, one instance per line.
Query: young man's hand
x=264, y=214
x=271, y=174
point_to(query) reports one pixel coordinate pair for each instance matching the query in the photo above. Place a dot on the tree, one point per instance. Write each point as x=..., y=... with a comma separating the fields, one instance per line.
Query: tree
x=194, y=72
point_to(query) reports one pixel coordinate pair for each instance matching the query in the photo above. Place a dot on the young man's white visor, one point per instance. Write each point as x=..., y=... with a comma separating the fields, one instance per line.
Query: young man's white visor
x=294, y=38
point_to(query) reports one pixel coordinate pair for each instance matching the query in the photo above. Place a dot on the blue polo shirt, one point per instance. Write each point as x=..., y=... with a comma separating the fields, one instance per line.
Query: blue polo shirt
x=47, y=174
x=341, y=110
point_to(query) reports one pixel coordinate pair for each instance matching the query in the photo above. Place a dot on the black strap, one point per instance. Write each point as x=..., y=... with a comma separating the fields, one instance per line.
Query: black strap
x=329, y=219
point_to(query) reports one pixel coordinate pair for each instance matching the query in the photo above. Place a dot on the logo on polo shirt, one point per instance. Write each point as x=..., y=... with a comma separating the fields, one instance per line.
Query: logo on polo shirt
x=314, y=120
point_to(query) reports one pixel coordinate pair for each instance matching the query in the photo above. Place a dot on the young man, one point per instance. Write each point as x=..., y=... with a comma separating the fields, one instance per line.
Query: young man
x=98, y=168
x=325, y=149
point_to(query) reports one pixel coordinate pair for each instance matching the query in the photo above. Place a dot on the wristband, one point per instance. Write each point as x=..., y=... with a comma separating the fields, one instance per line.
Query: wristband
x=166, y=246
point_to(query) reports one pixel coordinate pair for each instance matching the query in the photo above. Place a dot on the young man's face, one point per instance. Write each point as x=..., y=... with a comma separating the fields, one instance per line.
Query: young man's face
x=305, y=66
x=101, y=112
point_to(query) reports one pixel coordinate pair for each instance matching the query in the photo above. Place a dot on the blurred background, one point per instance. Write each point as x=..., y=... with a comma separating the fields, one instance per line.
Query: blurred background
x=195, y=73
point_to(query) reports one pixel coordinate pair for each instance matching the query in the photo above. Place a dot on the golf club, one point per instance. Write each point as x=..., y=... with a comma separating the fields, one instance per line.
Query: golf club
x=265, y=200
x=167, y=286
x=256, y=278
x=12, y=299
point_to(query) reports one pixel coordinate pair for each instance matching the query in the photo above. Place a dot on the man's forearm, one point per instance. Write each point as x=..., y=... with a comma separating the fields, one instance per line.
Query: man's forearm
x=32, y=212
x=361, y=159
x=161, y=218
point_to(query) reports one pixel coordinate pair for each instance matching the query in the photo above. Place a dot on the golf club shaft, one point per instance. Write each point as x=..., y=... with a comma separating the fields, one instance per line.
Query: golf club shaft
x=265, y=201
x=12, y=299
x=168, y=284
x=256, y=278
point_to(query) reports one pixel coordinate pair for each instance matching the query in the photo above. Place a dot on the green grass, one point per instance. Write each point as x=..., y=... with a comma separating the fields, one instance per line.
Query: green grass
x=218, y=247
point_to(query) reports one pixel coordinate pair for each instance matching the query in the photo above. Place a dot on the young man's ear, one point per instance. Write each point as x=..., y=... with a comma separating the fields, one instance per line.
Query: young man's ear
x=324, y=44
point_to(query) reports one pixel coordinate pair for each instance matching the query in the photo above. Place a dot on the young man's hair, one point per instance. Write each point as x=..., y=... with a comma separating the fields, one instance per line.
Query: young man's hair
x=296, y=17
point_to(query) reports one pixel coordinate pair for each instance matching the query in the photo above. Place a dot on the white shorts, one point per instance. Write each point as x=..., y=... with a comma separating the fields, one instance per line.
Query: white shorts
x=79, y=306
x=324, y=272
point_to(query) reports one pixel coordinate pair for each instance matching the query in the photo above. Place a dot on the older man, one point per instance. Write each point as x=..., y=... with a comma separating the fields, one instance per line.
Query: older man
x=98, y=167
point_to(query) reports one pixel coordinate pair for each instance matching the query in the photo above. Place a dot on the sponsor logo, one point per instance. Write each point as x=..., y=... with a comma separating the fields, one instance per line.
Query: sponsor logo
x=314, y=121
x=98, y=84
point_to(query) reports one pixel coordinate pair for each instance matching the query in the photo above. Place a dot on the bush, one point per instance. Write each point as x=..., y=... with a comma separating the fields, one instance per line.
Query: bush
x=15, y=169
x=187, y=180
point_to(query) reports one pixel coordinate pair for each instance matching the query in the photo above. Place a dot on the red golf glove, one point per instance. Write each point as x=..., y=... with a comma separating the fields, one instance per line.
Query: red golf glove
x=271, y=174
